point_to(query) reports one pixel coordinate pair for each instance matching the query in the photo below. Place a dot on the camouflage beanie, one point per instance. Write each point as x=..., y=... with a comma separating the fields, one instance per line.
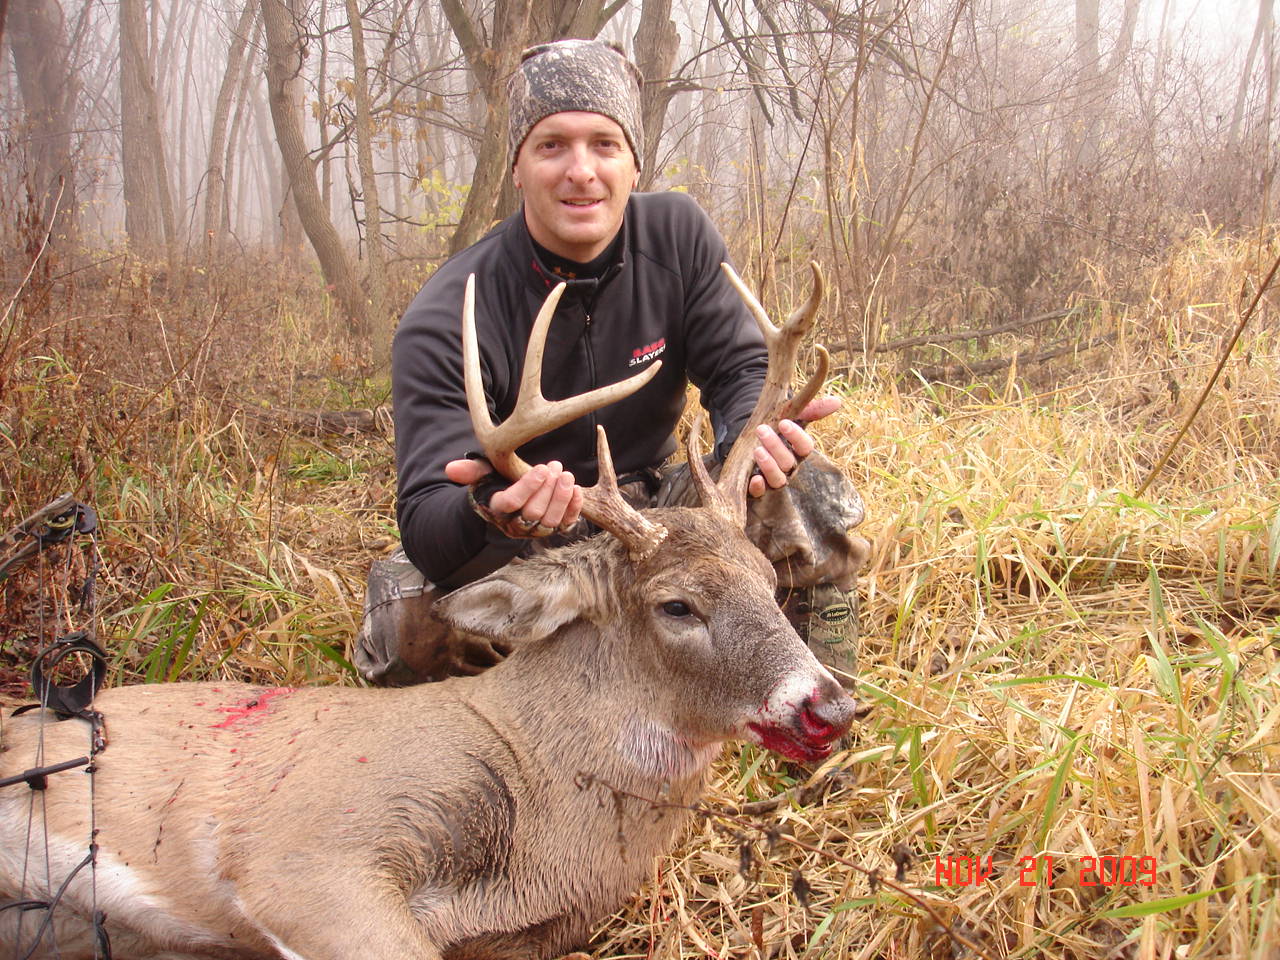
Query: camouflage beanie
x=587, y=75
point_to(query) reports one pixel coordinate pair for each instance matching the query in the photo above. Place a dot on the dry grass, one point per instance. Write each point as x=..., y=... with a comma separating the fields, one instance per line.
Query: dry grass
x=1058, y=667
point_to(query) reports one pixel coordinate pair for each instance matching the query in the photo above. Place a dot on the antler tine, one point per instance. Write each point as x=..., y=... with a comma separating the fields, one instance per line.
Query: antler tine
x=709, y=495
x=757, y=309
x=603, y=505
x=774, y=401
x=534, y=414
x=800, y=399
x=472, y=379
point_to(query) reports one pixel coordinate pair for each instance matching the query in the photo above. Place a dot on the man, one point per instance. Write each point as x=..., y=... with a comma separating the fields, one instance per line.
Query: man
x=643, y=282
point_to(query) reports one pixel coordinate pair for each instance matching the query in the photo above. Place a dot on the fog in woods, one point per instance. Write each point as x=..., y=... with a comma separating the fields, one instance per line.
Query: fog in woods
x=951, y=162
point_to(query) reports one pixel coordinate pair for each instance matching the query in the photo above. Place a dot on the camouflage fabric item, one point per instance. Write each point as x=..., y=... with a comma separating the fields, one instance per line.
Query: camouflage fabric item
x=586, y=75
x=826, y=617
x=400, y=642
x=394, y=583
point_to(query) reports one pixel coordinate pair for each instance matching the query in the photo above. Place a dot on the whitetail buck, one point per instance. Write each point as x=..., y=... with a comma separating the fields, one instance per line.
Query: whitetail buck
x=464, y=819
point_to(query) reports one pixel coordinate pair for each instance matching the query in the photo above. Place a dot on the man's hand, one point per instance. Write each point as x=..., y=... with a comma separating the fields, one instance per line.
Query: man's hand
x=541, y=502
x=778, y=456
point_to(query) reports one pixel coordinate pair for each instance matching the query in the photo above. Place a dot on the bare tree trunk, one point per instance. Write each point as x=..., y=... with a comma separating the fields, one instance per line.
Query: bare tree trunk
x=1083, y=131
x=48, y=86
x=237, y=213
x=284, y=63
x=166, y=26
x=233, y=160
x=1162, y=50
x=369, y=191
x=1268, y=157
x=272, y=175
x=259, y=189
x=158, y=146
x=322, y=95
x=291, y=230
x=706, y=157
x=187, y=206
x=287, y=214
x=1096, y=83
x=399, y=66
x=1261, y=28
x=757, y=179
x=656, y=43
x=491, y=66
x=1124, y=41
x=428, y=137
x=1086, y=27
x=148, y=203
x=215, y=179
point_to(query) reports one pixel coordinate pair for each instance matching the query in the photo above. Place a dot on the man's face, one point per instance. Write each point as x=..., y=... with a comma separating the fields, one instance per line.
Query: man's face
x=576, y=171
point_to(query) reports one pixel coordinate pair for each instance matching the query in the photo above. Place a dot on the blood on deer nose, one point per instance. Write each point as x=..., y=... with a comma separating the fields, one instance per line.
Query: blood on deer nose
x=825, y=718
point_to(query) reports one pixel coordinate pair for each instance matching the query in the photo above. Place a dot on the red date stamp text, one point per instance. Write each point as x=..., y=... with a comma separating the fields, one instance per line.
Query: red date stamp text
x=1039, y=871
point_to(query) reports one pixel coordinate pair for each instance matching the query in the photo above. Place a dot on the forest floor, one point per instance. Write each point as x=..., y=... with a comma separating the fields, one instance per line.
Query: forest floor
x=1064, y=661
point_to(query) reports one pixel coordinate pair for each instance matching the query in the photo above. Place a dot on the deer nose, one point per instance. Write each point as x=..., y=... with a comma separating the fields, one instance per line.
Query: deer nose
x=827, y=717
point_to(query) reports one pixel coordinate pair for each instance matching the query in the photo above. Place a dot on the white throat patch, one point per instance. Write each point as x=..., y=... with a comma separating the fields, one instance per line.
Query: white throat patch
x=655, y=750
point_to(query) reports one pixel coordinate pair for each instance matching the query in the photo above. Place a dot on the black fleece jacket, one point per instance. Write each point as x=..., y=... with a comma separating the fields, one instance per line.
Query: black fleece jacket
x=666, y=298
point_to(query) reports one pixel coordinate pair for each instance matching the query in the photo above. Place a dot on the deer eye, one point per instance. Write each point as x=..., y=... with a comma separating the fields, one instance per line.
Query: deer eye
x=676, y=608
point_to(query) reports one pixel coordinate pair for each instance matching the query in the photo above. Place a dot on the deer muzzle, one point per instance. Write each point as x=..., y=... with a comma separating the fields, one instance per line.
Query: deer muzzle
x=804, y=724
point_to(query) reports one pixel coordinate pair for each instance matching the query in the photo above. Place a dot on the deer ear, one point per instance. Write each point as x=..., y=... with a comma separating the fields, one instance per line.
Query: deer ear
x=522, y=601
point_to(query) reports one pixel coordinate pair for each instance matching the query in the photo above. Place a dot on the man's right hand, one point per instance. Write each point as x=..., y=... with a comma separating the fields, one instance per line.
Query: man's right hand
x=541, y=502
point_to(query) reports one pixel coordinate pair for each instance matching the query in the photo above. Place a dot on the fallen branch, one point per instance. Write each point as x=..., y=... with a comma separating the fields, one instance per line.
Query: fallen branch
x=960, y=370
x=938, y=339
x=325, y=422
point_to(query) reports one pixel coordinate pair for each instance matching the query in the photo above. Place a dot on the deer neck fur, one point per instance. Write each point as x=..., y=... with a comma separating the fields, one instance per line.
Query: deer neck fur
x=576, y=690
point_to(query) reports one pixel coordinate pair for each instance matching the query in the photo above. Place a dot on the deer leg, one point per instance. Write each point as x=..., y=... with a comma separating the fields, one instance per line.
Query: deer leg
x=331, y=944
x=332, y=925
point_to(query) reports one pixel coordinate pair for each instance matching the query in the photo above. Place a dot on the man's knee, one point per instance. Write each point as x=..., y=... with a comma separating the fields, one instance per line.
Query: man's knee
x=401, y=642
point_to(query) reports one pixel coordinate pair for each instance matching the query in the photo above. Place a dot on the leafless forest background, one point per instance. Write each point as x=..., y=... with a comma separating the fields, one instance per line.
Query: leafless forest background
x=955, y=164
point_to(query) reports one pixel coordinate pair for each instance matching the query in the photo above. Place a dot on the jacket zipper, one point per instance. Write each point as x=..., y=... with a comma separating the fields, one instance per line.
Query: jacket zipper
x=591, y=374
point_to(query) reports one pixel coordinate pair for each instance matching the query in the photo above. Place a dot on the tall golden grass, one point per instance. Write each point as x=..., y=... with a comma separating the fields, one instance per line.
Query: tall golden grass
x=1059, y=667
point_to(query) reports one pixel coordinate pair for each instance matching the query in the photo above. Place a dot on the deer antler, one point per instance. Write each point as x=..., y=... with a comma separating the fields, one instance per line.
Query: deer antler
x=535, y=415
x=775, y=401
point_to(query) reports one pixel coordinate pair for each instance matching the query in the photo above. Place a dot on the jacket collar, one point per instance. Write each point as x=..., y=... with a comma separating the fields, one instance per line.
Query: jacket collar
x=541, y=278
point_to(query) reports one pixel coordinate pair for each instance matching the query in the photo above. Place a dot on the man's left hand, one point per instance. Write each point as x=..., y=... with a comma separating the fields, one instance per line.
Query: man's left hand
x=780, y=452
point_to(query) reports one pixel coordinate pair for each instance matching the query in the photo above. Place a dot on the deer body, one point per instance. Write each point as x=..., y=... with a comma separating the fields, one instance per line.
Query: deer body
x=493, y=816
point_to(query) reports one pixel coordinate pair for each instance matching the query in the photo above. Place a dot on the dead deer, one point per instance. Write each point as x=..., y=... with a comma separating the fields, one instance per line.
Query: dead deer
x=464, y=819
